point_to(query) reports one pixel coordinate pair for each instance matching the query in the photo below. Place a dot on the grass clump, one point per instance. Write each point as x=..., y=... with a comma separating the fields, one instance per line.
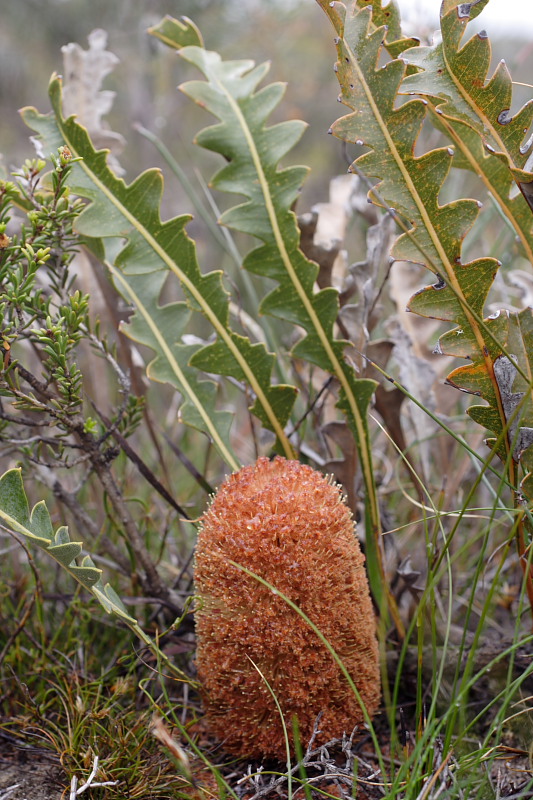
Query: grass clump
x=70, y=697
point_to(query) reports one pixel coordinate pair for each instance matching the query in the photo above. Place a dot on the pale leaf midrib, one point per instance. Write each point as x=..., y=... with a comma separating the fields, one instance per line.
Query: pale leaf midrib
x=192, y=289
x=477, y=110
x=304, y=299
x=167, y=352
x=424, y=216
x=17, y=526
x=504, y=205
x=426, y=220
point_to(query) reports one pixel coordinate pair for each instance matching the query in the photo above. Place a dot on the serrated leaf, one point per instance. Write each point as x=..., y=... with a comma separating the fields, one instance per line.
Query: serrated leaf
x=509, y=413
x=407, y=183
x=412, y=185
x=458, y=75
x=15, y=516
x=41, y=524
x=65, y=553
x=155, y=249
x=474, y=111
x=15, y=510
x=37, y=527
x=252, y=151
x=497, y=179
x=388, y=18
x=467, y=10
x=434, y=233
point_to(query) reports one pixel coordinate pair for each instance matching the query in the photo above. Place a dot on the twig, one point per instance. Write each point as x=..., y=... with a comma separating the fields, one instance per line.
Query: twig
x=432, y=781
x=100, y=460
x=9, y=791
x=75, y=792
x=324, y=388
x=122, y=378
x=30, y=603
x=152, y=580
x=322, y=763
x=198, y=477
x=183, y=570
x=316, y=731
x=19, y=419
x=145, y=471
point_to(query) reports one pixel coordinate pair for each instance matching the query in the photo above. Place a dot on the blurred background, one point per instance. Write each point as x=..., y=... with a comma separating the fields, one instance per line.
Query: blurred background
x=148, y=110
x=294, y=35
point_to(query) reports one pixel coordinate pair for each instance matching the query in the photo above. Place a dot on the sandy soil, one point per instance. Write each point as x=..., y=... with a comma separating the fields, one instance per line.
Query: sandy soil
x=23, y=777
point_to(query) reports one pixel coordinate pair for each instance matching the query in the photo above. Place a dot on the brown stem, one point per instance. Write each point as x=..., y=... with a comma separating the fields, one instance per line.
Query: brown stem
x=143, y=468
x=100, y=459
x=151, y=581
x=30, y=602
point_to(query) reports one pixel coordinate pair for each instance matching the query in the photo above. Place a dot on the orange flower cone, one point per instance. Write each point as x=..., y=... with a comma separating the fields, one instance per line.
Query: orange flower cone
x=287, y=523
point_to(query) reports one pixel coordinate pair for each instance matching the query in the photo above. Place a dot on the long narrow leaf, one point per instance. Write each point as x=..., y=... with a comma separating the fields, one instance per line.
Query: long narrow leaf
x=498, y=348
x=475, y=110
x=253, y=150
x=411, y=185
x=155, y=249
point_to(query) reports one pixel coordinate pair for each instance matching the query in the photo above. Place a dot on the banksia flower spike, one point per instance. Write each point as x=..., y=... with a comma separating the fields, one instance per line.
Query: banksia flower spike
x=287, y=523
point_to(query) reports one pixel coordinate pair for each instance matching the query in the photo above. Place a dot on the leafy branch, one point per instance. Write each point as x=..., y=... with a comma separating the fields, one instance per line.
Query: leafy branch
x=44, y=323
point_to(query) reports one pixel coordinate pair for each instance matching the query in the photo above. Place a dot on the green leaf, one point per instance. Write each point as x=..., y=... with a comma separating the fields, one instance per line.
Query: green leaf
x=496, y=178
x=471, y=10
x=388, y=19
x=458, y=76
x=15, y=509
x=473, y=111
x=37, y=527
x=411, y=185
x=155, y=249
x=252, y=151
x=177, y=32
x=510, y=398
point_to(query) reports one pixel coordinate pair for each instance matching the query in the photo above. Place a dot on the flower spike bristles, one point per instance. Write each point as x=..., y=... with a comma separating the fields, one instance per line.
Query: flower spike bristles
x=288, y=524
